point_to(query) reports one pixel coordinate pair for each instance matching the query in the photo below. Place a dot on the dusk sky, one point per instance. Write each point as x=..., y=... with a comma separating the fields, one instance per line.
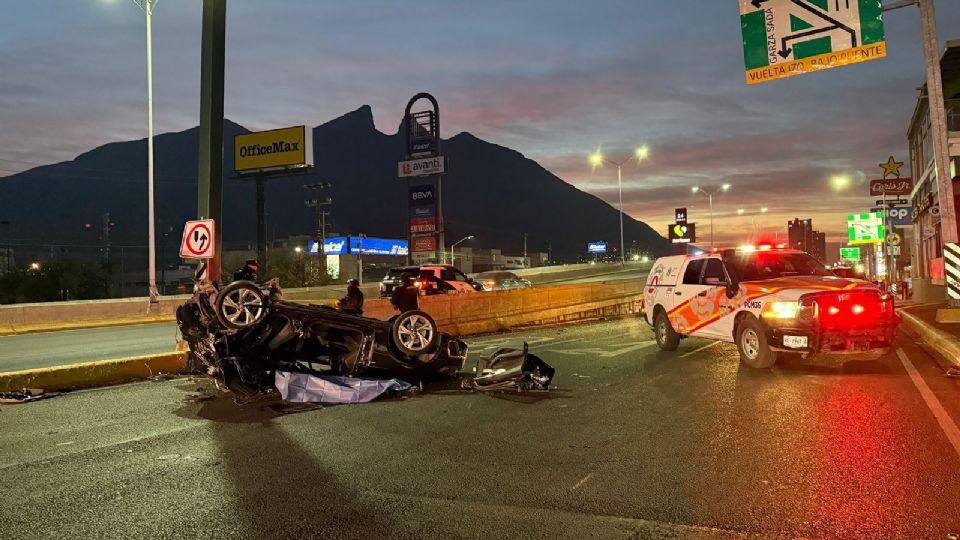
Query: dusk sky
x=553, y=80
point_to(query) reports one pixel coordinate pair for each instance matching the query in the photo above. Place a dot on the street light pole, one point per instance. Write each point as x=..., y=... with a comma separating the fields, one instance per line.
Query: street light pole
x=147, y=7
x=709, y=194
x=623, y=259
x=453, y=256
x=598, y=159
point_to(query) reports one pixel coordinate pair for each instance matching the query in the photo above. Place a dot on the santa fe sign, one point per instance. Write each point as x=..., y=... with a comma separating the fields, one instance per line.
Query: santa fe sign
x=782, y=38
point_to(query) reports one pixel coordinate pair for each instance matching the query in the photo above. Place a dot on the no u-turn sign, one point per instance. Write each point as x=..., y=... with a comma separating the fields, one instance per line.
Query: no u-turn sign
x=197, y=240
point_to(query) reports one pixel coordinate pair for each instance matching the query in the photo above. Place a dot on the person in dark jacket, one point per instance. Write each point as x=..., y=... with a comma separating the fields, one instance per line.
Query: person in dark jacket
x=248, y=272
x=352, y=303
x=407, y=296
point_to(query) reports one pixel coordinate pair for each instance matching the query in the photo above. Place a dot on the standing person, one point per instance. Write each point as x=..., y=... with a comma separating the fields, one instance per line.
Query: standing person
x=407, y=296
x=352, y=303
x=248, y=272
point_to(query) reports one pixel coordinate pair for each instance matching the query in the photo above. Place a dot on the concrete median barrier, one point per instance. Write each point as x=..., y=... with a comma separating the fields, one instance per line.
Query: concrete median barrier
x=93, y=374
x=458, y=315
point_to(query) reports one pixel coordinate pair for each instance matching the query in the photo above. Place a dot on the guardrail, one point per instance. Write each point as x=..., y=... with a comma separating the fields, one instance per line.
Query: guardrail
x=52, y=316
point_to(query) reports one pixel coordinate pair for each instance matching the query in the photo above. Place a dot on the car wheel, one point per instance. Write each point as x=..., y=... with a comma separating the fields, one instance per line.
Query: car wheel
x=667, y=338
x=414, y=332
x=240, y=305
x=752, y=344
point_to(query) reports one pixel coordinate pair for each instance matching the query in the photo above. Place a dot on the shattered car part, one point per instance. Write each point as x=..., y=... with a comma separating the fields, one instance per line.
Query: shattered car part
x=243, y=333
x=334, y=389
x=511, y=369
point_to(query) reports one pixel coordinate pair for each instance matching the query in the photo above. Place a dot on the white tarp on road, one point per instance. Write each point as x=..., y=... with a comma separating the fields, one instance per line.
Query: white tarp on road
x=331, y=389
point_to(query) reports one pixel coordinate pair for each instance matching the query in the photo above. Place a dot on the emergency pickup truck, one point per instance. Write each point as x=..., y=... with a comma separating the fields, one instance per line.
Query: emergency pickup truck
x=768, y=301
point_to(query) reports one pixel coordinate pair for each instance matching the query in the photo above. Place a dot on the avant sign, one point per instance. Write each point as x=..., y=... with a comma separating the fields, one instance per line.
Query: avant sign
x=782, y=38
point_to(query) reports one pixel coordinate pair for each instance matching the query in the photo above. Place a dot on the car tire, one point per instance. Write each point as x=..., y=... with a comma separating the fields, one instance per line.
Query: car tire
x=240, y=305
x=414, y=333
x=667, y=338
x=752, y=344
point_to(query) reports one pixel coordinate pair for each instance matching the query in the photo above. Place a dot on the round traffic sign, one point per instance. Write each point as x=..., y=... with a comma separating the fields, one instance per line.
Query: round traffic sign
x=894, y=239
x=198, y=239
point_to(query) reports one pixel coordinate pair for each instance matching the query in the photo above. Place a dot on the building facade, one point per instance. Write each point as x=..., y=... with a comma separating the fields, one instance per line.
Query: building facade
x=926, y=261
x=800, y=234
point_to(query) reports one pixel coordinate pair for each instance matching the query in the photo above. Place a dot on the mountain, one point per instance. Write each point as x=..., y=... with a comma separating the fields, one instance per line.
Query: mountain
x=492, y=192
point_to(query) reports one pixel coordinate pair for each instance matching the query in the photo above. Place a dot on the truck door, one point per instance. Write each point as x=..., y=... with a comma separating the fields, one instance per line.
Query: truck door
x=710, y=302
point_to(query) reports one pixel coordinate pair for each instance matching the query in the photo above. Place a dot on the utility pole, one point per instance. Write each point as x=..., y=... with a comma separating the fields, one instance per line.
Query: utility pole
x=938, y=117
x=524, y=245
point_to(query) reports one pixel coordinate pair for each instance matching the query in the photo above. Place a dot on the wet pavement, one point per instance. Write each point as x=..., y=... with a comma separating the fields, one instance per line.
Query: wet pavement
x=633, y=443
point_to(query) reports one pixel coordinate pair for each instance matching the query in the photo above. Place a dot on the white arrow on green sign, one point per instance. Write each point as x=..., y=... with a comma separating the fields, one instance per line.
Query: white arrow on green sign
x=782, y=38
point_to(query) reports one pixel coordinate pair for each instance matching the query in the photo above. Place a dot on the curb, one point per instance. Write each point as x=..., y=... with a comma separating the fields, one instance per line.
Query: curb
x=92, y=374
x=945, y=344
x=82, y=325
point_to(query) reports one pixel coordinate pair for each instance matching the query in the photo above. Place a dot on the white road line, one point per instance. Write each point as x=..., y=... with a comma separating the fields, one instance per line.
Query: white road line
x=583, y=481
x=946, y=423
x=705, y=347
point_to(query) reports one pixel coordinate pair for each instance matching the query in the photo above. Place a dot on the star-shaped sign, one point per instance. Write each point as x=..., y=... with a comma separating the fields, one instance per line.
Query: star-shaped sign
x=891, y=167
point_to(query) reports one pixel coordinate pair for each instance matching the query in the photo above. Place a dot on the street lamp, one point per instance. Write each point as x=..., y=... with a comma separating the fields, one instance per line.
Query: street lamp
x=597, y=159
x=453, y=257
x=840, y=182
x=147, y=7
x=710, y=194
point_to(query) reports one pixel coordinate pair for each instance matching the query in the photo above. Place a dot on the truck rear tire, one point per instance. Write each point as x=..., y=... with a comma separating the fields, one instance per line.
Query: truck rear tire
x=752, y=345
x=667, y=338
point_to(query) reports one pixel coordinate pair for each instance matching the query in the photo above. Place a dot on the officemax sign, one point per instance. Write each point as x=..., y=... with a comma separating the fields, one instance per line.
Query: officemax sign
x=274, y=150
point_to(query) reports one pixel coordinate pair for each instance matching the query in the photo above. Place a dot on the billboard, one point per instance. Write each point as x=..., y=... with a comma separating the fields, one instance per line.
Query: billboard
x=597, y=247
x=425, y=243
x=336, y=245
x=680, y=233
x=274, y=150
x=422, y=195
x=421, y=167
x=378, y=246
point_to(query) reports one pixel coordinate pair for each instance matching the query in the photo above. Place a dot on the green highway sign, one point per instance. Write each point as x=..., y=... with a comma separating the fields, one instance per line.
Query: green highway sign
x=866, y=228
x=850, y=254
x=782, y=38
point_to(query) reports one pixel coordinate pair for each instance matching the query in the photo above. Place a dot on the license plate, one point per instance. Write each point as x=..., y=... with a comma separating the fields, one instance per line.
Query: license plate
x=795, y=342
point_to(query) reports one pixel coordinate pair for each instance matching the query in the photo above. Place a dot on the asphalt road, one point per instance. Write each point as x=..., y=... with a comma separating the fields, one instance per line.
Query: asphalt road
x=49, y=349
x=632, y=443
x=46, y=349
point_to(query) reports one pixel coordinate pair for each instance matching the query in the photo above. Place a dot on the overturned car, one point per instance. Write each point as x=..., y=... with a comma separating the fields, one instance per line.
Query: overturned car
x=243, y=333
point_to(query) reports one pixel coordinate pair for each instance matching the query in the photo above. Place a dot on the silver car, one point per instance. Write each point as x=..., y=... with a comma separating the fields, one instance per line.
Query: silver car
x=499, y=280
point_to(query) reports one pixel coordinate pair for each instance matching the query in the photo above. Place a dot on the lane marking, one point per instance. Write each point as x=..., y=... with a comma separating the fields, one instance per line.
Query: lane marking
x=943, y=418
x=583, y=481
x=705, y=347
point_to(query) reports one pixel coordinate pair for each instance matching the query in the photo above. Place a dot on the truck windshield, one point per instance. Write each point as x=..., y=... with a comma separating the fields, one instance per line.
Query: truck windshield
x=771, y=265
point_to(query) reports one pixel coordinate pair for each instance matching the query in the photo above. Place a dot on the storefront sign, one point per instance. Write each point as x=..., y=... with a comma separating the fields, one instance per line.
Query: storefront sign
x=425, y=243
x=891, y=186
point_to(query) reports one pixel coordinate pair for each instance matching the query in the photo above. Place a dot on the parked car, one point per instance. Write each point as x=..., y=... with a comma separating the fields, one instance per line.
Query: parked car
x=499, y=280
x=431, y=278
x=767, y=301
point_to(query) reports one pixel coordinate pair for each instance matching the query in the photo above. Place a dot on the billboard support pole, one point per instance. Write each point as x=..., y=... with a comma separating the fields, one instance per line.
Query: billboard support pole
x=210, y=177
x=261, y=225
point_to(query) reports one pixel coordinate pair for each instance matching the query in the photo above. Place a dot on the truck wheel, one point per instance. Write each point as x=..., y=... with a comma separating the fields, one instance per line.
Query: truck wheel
x=667, y=338
x=752, y=344
x=414, y=332
x=240, y=305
